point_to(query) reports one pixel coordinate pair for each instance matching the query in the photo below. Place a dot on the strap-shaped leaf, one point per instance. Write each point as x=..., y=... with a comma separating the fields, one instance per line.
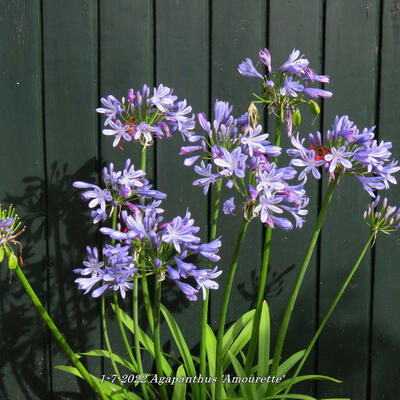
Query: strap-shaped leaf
x=264, y=338
x=179, y=388
x=289, y=396
x=241, y=340
x=284, y=384
x=145, y=340
x=232, y=333
x=285, y=367
x=117, y=358
x=183, y=348
x=248, y=389
x=110, y=389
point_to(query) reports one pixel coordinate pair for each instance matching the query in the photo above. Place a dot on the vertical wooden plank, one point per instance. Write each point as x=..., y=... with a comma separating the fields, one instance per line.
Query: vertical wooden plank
x=351, y=62
x=24, y=360
x=239, y=38
x=70, y=65
x=126, y=30
x=125, y=62
x=182, y=64
x=385, y=371
x=288, y=248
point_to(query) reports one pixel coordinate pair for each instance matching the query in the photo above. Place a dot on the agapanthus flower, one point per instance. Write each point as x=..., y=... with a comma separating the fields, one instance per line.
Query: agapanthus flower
x=386, y=220
x=238, y=151
x=10, y=227
x=120, y=189
x=346, y=151
x=142, y=116
x=146, y=246
x=286, y=88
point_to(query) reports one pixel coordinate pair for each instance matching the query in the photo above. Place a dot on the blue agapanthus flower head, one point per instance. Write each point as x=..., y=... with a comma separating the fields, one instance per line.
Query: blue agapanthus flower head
x=143, y=116
x=286, y=88
x=346, y=151
x=385, y=219
x=147, y=246
x=238, y=151
x=120, y=189
x=10, y=226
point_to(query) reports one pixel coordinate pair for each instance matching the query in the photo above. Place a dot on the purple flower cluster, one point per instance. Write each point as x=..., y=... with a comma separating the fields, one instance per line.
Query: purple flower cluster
x=284, y=89
x=9, y=226
x=121, y=188
x=238, y=151
x=145, y=246
x=141, y=116
x=386, y=220
x=346, y=151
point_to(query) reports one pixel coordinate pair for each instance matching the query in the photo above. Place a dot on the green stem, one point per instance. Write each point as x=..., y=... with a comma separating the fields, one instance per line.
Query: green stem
x=138, y=365
x=330, y=311
x=103, y=316
x=156, y=335
x=108, y=345
x=224, y=307
x=299, y=280
x=57, y=334
x=145, y=287
x=136, y=333
x=263, y=275
x=143, y=159
x=204, y=317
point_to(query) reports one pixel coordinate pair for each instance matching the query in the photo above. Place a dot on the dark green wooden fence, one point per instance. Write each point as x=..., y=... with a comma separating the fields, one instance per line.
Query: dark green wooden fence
x=58, y=57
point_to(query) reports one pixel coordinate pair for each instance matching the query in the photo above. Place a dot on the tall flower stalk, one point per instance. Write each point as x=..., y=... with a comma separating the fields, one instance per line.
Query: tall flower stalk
x=224, y=307
x=263, y=274
x=329, y=313
x=289, y=310
x=204, y=316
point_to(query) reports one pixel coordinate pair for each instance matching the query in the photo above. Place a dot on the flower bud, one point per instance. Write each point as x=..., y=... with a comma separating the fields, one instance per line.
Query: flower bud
x=12, y=261
x=296, y=117
x=314, y=107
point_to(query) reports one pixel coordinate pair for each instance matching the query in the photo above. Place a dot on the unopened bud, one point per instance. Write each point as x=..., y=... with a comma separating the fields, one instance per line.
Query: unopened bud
x=253, y=114
x=314, y=107
x=296, y=117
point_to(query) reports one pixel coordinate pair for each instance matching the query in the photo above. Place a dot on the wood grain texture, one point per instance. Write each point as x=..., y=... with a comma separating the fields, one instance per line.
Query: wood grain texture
x=286, y=32
x=182, y=64
x=236, y=34
x=70, y=77
x=385, y=371
x=24, y=371
x=351, y=60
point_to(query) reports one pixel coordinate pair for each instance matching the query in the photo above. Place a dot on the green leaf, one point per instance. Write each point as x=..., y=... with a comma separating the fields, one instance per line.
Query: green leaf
x=179, y=388
x=108, y=388
x=182, y=346
x=235, y=329
x=314, y=107
x=1, y=254
x=211, y=349
x=289, y=396
x=145, y=340
x=284, y=384
x=238, y=344
x=246, y=388
x=289, y=363
x=12, y=261
x=296, y=117
x=117, y=358
x=264, y=338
